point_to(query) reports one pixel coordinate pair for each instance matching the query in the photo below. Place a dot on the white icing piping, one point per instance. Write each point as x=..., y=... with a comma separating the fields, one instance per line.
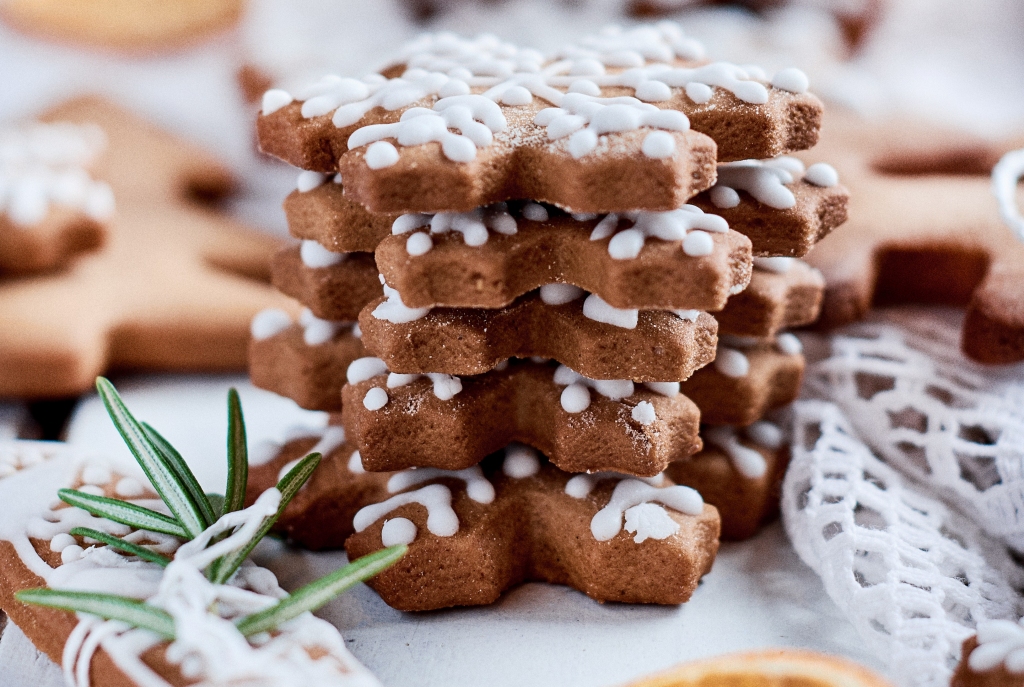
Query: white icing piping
x=1005, y=177
x=316, y=256
x=315, y=331
x=766, y=181
x=777, y=265
x=747, y=461
x=689, y=225
x=575, y=396
x=1000, y=642
x=445, y=386
x=478, y=487
x=521, y=461
x=447, y=67
x=473, y=226
x=394, y=310
x=436, y=498
x=333, y=436
x=44, y=164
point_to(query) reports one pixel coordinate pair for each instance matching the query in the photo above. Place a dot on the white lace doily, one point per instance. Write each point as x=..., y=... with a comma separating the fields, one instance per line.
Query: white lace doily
x=913, y=576
x=953, y=425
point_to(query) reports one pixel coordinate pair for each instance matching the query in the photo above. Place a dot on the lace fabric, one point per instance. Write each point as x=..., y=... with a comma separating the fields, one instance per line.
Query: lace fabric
x=913, y=575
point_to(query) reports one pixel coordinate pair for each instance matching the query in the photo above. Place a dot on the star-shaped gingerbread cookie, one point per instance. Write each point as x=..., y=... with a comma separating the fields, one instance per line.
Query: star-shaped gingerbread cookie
x=174, y=288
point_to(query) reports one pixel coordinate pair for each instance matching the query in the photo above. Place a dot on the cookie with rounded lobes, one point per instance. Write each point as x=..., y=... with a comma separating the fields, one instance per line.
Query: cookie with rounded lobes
x=921, y=205
x=475, y=533
x=783, y=293
x=739, y=472
x=174, y=288
x=783, y=207
x=435, y=420
x=38, y=550
x=305, y=360
x=748, y=378
x=766, y=668
x=557, y=321
x=600, y=127
x=335, y=286
x=128, y=25
x=52, y=209
x=990, y=658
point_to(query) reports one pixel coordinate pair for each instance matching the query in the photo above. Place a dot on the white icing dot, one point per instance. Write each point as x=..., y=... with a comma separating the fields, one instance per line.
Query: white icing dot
x=380, y=155
x=308, y=181
x=698, y=92
x=643, y=412
x=61, y=542
x=397, y=531
x=517, y=95
x=520, y=461
x=732, y=363
x=668, y=389
x=821, y=174
x=274, y=100
x=575, y=398
x=789, y=344
x=791, y=79
x=362, y=369
x=659, y=145
x=315, y=256
x=419, y=243
x=582, y=142
x=652, y=91
x=724, y=197
x=355, y=463
x=777, y=264
x=375, y=399
x=597, y=309
x=625, y=245
x=559, y=294
x=96, y=474
x=765, y=433
x=129, y=487
x=698, y=243
x=71, y=554
x=316, y=331
x=535, y=212
x=269, y=322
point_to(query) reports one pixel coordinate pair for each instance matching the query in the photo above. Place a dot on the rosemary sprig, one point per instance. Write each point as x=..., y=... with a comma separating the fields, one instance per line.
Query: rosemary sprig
x=108, y=606
x=126, y=546
x=123, y=512
x=238, y=456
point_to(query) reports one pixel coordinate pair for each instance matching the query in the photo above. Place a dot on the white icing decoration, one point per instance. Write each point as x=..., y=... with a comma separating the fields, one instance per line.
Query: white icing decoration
x=789, y=344
x=436, y=498
x=478, y=487
x=362, y=369
x=380, y=155
x=747, y=461
x=649, y=521
x=765, y=180
x=597, y=309
x=332, y=437
x=673, y=225
x=473, y=225
x=419, y=243
x=96, y=474
x=316, y=256
x=766, y=434
x=446, y=387
x=268, y=323
x=580, y=486
x=394, y=310
x=821, y=174
x=1000, y=643
x=1005, y=177
x=698, y=244
x=375, y=398
x=575, y=397
x=521, y=461
x=559, y=294
x=791, y=79
x=317, y=331
x=535, y=212
x=129, y=487
x=668, y=389
x=731, y=363
x=778, y=264
x=274, y=100
x=632, y=492
x=355, y=463
x=46, y=164
x=643, y=412
x=307, y=181
x=397, y=531
x=658, y=145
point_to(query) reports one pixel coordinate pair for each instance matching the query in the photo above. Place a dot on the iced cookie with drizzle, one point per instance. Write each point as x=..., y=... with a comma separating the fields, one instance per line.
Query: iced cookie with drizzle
x=624, y=119
x=51, y=207
x=437, y=420
x=749, y=378
x=739, y=472
x=994, y=657
x=334, y=286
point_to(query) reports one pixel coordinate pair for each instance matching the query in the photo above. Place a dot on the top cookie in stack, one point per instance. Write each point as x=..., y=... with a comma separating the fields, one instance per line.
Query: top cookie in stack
x=549, y=241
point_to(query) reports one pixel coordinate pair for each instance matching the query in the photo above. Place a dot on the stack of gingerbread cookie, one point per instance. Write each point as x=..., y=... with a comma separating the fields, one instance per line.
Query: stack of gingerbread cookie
x=524, y=291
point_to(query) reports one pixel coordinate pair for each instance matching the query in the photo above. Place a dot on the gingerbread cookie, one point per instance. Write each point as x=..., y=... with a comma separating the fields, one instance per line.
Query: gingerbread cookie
x=766, y=668
x=51, y=209
x=783, y=293
x=601, y=126
x=174, y=288
x=475, y=532
x=922, y=205
x=436, y=420
x=305, y=360
x=783, y=207
x=992, y=657
x=559, y=322
x=132, y=25
x=739, y=472
x=335, y=286
x=748, y=378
